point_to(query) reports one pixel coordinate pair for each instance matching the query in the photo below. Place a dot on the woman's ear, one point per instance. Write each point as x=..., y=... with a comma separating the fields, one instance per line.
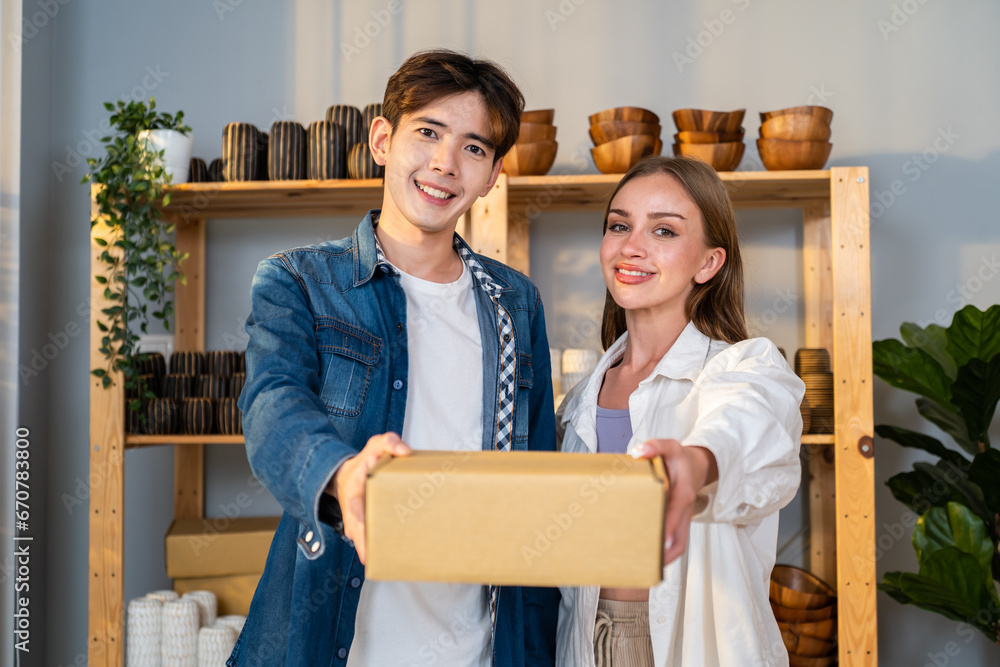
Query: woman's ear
x=378, y=139
x=714, y=260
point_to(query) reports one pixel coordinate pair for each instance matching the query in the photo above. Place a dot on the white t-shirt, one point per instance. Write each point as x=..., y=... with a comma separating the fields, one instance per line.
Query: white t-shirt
x=405, y=623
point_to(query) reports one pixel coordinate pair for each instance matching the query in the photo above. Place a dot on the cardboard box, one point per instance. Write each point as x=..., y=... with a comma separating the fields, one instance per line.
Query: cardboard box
x=218, y=546
x=233, y=593
x=516, y=518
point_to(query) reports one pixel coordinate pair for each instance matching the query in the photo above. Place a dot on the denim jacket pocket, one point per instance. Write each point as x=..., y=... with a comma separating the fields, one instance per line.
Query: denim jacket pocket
x=347, y=356
x=524, y=370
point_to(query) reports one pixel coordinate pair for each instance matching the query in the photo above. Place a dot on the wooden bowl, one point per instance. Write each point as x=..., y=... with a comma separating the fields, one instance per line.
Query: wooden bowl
x=629, y=114
x=825, y=629
x=789, y=615
x=545, y=116
x=534, y=159
x=701, y=120
x=796, y=588
x=802, y=661
x=532, y=132
x=780, y=155
x=795, y=127
x=609, y=130
x=696, y=137
x=804, y=645
x=722, y=157
x=618, y=156
x=826, y=115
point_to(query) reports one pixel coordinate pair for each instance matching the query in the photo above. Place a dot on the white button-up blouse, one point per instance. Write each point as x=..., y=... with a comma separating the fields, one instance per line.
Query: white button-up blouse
x=742, y=403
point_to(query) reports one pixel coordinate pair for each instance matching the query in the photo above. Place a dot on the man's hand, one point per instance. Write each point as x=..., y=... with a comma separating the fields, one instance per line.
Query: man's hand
x=348, y=484
x=688, y=469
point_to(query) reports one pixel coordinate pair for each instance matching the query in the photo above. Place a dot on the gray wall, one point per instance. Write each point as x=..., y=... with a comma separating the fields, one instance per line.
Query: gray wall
x=898, y=75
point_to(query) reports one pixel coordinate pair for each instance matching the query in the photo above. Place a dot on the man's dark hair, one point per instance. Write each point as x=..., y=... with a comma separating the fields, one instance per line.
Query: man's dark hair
x=428, y=76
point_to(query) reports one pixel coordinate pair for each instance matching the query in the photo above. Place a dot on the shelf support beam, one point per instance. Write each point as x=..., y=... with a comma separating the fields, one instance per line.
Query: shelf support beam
x=853, y=445
x=189, y=460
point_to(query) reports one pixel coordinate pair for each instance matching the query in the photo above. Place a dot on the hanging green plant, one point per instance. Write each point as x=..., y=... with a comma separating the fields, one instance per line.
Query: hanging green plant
x=141, y=263
x=956, y=372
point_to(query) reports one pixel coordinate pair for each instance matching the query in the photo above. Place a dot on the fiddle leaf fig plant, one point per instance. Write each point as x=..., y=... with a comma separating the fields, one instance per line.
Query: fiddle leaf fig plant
x=141, y=262
x=956, y=373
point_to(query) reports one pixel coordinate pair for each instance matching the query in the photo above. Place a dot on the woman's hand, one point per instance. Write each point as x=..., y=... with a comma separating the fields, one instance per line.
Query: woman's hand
x=689, y=469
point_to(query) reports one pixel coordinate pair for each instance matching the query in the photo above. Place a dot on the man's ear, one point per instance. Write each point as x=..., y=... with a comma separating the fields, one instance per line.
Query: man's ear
x=378, y=139
x=497, y=168
x=713, y=262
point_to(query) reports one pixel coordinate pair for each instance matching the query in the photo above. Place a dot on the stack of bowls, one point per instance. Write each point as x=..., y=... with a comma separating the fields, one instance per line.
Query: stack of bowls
x=813, y=366
x=536, y=146
x=714, y=137
x=806, y=610
x=622, y=136
x=795, y=138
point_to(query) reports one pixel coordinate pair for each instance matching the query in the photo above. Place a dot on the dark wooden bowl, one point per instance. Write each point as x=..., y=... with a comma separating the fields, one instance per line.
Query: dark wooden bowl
x=695, y=137
x=780, y=155
x=796, y=588
x=789, y=614
x=628, y=114
x=609, y=130
x=534, y=159
x=544, y=116
x=706, y=120
x=796, y=127
x=721, y=157
x=618, y=156
x=534, y=132
x=820, y=112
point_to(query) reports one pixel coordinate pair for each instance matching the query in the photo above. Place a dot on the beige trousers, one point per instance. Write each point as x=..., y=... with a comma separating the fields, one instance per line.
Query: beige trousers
x=621, y=636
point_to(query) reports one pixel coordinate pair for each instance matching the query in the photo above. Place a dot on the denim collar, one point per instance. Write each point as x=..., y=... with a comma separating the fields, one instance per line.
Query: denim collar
x=368, y=256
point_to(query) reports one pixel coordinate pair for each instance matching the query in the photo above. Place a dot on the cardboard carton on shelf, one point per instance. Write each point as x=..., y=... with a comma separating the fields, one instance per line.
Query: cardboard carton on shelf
x=218, y=547
x=516, y=518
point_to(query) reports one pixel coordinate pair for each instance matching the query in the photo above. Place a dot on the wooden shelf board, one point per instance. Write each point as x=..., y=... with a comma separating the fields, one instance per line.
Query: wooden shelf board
x=818, y=439
x=151, y=440
x=527, y=195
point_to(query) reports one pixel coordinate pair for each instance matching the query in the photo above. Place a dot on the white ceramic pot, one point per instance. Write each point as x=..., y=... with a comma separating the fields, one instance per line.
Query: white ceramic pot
x=176, y=149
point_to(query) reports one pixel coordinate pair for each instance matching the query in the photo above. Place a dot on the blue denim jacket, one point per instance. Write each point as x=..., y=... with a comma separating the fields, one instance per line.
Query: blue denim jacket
x=326, y=370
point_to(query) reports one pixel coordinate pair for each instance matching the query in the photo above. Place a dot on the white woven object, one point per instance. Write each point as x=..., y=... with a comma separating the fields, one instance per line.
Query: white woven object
x=163, y=596
x=578, y=361
x=142, y=632
x=179, y=647
x=214, y=645
x=208, y=604
x=234, y=621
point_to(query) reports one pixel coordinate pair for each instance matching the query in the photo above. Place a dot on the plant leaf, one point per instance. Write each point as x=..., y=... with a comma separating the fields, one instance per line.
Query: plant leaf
x=948, y=421
x=953, y=526
x=908, y=438
x=985, y=471
x=910, y=369
x=974, y=334
x=933, y=340
x=975, y=393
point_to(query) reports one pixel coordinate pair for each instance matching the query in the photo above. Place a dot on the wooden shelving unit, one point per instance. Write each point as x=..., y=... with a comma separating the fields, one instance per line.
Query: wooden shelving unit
x=836, y=273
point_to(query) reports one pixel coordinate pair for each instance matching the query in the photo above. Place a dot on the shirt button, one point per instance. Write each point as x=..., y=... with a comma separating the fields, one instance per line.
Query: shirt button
x=315, y=547
x=309, y=536
x=397, y=385
x=640, y=399
x=506, y=337
x=355, y=582
x=661, y=619
x=342, y=653
x=399, y=325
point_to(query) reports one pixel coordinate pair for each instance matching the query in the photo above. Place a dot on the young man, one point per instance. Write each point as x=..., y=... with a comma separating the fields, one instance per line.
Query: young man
x=398, y=329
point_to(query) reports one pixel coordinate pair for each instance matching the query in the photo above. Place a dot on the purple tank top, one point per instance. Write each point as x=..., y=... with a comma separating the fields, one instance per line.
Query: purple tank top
x=614, y=429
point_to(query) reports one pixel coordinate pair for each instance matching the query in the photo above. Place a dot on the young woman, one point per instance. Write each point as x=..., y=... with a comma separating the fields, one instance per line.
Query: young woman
x=681, y=379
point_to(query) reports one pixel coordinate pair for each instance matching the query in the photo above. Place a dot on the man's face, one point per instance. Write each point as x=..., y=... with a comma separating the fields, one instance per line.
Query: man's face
x=438, y=161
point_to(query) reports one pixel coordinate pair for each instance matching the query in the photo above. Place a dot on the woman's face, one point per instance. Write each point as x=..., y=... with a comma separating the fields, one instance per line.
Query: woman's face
x=654, y=249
